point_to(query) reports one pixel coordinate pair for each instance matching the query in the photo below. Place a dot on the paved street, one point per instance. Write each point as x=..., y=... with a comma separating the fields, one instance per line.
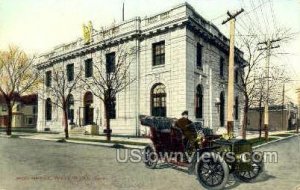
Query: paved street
x=35, y=164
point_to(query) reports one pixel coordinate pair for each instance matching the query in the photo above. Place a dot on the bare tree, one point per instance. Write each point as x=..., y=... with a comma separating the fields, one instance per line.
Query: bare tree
x=18, y=76
x=277, y=76
x=255, y=58
x=63, y=83
x=111, y=73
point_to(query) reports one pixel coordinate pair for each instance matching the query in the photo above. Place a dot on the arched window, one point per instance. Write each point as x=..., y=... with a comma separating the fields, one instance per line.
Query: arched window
x=158, y=100
x=88, y=109
x=222, y=108
x=236, y=106
x=199, y=102
x=70, y=106
x=48, y=109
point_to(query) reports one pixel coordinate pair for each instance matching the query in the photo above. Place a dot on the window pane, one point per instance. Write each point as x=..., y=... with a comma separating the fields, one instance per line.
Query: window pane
x=158, y=53
x=88, y=68
x=70, y=72
x=110, y=62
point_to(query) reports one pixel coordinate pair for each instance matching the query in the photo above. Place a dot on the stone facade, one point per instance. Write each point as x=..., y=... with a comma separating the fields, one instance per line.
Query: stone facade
x=181, y=29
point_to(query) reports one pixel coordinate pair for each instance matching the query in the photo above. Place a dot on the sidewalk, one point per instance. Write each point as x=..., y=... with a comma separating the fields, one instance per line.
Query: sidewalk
x=124, y=142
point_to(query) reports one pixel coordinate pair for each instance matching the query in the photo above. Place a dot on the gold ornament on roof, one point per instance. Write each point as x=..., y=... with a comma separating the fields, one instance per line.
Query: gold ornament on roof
x=87, y=32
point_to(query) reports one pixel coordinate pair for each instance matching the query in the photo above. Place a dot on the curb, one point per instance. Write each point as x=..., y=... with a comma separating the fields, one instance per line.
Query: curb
x=111, y=145
x=280, y=139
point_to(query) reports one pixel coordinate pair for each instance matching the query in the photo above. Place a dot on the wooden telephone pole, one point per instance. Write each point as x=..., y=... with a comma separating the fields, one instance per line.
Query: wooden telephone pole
x=268, y=48
x=230, y=95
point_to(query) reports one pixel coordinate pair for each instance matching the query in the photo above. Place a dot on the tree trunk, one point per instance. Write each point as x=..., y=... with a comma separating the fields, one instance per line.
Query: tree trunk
x=260, y=117
x=107, y=121
x=66, y=122
x=245, y=119
x=9, y=122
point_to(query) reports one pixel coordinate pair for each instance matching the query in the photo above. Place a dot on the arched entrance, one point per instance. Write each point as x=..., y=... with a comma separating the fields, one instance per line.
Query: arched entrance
x=88, y=109
x=158, y=100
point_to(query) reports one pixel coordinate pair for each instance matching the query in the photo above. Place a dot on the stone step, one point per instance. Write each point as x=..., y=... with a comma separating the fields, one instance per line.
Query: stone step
x=77, y=130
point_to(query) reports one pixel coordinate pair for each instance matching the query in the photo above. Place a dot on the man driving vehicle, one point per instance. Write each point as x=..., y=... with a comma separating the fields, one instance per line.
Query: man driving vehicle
x=189, y=134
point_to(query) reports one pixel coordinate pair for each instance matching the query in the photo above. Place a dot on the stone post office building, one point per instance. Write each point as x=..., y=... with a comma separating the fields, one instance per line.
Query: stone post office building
x=181, y=63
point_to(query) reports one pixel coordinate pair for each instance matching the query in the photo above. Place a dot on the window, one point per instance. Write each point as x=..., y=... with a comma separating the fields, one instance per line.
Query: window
x=4, y=108
x=34, y=109
x=222, y=109
x=18, y=107
x=29, y=121
x=70, y=72
x=110, y=62
x=111, y=104
x=88, y=68
x=199, y=56
x=199, y=102
x=112, y=108
x=158, y=51
x=221, y=67
x=48, y=78
x=236, y=76
x=48, y=108
x=70, y=106
x=236, y=106
x=158, y=100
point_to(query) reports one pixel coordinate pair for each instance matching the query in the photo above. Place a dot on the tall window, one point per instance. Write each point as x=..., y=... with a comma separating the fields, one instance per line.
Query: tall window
x=158, y=51
x=34, y=109
x=221, y=67
x=110, y=62
x=158, y=100
x=199, y=102
x=88, y=68
x=222, y=109
x=70, y=72
x=236, y=106
x=111, y=104
x=48, y=110
x=112, y=108
x=48, y=78
x=70, y=106
x=236, y=76
x=199, y=56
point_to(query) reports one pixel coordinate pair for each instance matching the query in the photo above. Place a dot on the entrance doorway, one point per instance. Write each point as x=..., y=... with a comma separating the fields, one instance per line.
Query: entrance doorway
x=88, y=109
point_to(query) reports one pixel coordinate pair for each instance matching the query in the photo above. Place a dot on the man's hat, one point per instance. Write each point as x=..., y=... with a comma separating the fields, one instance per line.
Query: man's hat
x=185, y=113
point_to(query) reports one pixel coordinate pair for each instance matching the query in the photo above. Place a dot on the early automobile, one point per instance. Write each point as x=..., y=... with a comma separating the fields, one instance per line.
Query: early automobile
x=213, y=159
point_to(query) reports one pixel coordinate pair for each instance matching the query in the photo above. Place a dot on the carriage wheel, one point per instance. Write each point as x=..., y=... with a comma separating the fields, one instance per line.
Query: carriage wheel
x=212, y=171
x=248, y=176
x=150, y=157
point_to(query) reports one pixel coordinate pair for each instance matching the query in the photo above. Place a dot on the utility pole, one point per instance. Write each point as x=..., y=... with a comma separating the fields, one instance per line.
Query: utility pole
x=230, y=87
x=123, y=10
x=268, y=48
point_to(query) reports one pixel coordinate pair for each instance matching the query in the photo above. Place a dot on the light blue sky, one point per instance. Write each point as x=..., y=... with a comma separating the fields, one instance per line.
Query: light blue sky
x=39, y=25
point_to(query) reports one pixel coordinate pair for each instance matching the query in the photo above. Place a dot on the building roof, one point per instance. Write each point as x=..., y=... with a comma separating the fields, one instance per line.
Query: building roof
x=29, y=99
x=26, y=99
x=181, y=14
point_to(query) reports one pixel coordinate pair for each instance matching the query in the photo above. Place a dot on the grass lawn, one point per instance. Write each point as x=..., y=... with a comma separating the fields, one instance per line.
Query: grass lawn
x=259, y=141
x=112, y=141
x=282, y=135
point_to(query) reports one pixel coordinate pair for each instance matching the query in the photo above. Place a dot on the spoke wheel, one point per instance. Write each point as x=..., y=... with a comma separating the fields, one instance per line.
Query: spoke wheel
x=212, y=172
x=150, y=157
x=248, y=176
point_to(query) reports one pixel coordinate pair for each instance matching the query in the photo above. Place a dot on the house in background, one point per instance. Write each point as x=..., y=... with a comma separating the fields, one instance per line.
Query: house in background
x=24, y=112
x=281, y=117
